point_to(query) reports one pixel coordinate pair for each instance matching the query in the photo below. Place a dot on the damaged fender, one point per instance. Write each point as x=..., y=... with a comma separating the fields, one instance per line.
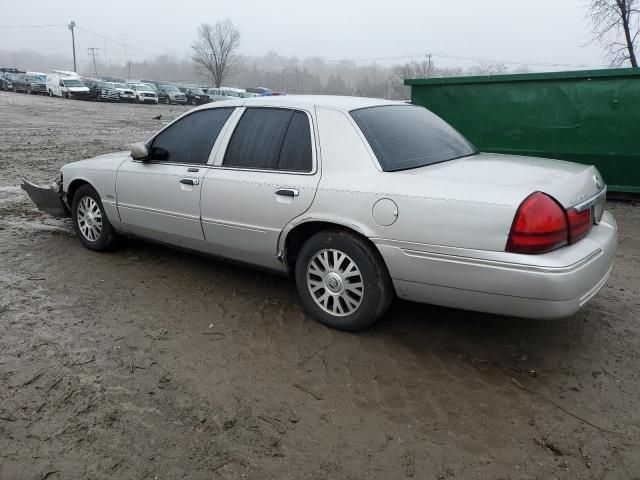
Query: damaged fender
x=48, y=199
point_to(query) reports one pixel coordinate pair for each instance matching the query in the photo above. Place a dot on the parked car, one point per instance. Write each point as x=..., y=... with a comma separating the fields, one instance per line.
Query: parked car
x=171, y=94
x=143, y=93
x=102, y=91
x=359, y=200
x=262, y=91
x=153, y=83
x=30, y=82
x=67, y=86
x=5, y=81
x=195, y=95
x=113, y=79
x=126, y=94
x=218, y=95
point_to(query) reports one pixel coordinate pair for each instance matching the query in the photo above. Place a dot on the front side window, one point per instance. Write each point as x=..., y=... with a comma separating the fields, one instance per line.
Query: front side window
x=271, y=139
x=191, y=138
x=407, y=136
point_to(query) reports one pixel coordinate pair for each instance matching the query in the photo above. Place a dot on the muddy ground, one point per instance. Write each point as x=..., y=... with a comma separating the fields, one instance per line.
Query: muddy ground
x=152, y=363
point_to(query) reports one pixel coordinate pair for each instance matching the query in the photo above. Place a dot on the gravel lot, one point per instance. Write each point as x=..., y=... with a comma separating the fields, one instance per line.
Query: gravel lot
x=152, y=363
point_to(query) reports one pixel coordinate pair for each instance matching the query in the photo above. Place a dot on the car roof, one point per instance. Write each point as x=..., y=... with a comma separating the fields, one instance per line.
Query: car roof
x=337, y=102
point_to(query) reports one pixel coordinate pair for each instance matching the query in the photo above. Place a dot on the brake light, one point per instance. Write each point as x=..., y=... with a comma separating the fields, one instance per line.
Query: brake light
x=540, y=225
x=579, y=224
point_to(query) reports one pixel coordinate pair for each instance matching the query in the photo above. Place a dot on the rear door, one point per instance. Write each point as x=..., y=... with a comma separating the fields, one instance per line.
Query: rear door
x=160, y=198
x=266, y=176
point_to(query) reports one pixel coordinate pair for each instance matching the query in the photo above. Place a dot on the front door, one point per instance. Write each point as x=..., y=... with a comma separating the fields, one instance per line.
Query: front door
x=160, y=198
x=267, y=177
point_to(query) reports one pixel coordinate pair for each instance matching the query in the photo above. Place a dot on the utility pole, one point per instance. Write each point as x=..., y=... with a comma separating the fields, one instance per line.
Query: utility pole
x=92, y=53
x=129, y=65
x=429, y=67
x=71, y=26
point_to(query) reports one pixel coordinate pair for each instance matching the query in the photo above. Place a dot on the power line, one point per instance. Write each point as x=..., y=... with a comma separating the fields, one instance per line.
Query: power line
x=104, y=37
x=31, y=26
x=459, y=57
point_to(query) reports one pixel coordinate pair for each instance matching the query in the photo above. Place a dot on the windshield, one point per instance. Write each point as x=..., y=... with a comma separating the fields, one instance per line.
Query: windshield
x=197, y=91
x=143, y=88
x=406, y=136
x=103, y=85
x=119, y=85
x=230, y=93
x=72, y=83
x=170, y=88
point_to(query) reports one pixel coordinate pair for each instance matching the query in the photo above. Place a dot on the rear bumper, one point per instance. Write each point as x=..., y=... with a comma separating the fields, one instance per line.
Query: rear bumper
x=548, y=286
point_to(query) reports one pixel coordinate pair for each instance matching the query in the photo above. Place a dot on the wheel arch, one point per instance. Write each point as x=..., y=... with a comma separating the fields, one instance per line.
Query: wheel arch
x=295, y=235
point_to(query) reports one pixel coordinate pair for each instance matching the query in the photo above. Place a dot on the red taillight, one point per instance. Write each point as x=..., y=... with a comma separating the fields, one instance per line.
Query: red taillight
x=579, y=224
x=540, y=226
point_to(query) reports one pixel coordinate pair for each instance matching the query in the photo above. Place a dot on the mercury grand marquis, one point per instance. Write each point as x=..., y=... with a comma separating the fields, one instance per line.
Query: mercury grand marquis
x=359, y=200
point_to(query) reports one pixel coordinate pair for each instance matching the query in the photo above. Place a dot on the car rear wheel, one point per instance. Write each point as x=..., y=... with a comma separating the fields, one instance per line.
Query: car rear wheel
x=342, y=280
x=167, y=100
x=193, y=102
x=29, y=92
x=90, y=221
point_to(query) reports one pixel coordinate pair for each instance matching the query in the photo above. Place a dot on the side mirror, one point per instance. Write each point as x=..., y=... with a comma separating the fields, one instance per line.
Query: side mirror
x=139, y=151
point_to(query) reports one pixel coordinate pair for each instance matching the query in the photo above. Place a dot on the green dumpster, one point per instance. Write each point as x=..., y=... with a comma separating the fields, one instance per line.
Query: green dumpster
x=590, y=117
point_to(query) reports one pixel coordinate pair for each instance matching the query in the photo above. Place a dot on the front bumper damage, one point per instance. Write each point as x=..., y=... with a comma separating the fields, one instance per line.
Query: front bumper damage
x=48, y=199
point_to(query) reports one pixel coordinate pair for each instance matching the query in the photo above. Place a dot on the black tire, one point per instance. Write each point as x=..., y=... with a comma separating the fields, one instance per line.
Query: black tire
x=29, y=91
x=377, y=291
x=193, y=102
x=167, y=101
x=99, y=97
x=50, y=93
x=107, y=236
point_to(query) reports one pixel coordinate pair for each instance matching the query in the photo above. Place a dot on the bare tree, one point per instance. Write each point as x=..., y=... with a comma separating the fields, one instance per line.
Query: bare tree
x=214, y=50
x=616, y=24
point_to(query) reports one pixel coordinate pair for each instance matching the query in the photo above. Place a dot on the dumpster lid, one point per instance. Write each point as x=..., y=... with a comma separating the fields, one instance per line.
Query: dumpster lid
x=528, y=77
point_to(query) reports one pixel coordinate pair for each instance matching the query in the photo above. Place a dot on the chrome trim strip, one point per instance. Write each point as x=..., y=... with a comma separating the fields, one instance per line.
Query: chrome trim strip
x=592, y=201
x=498, y=264
x=158, y=212
x=240, y=226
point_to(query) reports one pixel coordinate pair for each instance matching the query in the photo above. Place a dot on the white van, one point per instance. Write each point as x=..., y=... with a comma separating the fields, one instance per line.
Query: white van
x=66, y=84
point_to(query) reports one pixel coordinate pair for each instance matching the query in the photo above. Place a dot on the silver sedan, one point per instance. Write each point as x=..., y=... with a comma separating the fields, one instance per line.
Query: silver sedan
x=360, y=200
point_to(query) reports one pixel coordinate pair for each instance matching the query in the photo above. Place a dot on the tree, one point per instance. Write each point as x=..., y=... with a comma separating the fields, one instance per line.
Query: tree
x=616, y=24
x=214, y=50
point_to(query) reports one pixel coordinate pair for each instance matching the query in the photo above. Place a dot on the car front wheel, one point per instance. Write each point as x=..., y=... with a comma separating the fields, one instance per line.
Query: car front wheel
x=342, y=280
x=90, y=221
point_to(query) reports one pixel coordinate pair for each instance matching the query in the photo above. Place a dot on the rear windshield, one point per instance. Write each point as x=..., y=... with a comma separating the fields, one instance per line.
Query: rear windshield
x=73, y=83
x=407, y=136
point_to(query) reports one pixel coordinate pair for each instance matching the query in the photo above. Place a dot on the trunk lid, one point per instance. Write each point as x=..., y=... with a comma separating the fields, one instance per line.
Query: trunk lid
x=513, y=178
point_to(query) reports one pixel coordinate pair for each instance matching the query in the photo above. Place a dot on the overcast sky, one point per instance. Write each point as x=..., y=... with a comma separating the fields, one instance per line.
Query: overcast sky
x=538, y=32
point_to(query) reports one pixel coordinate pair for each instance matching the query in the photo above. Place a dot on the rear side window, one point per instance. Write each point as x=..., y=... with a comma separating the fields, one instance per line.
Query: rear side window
x=271, y=139
x=295, y=154
x=406, y=136
x=191, y=138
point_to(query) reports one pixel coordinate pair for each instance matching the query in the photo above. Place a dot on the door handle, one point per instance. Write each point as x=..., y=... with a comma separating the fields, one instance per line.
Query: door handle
x=189, y=181
x=288, y=192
